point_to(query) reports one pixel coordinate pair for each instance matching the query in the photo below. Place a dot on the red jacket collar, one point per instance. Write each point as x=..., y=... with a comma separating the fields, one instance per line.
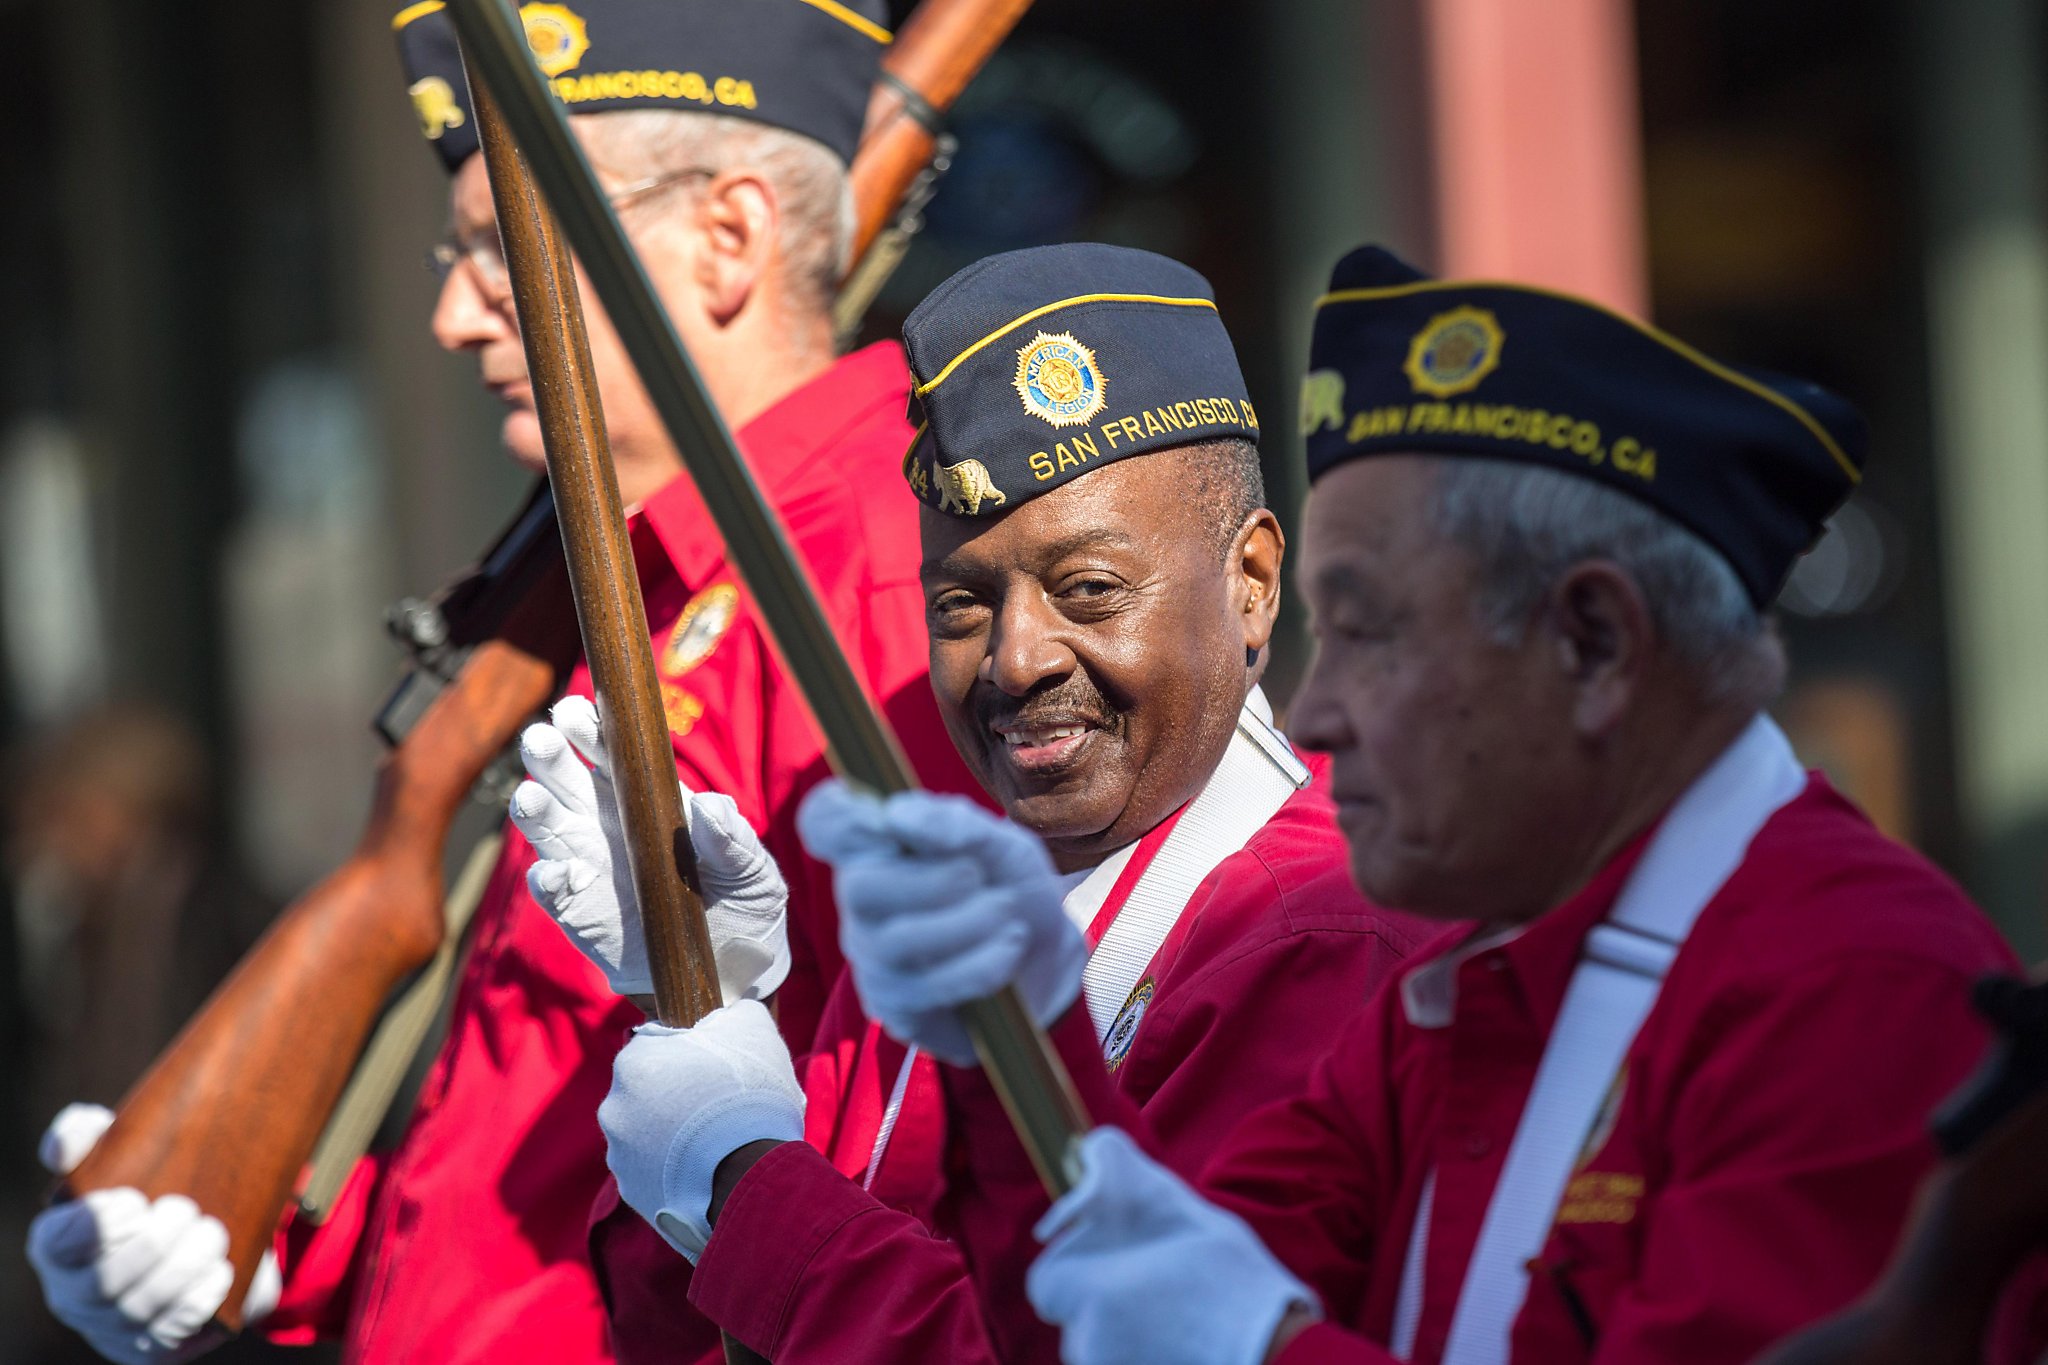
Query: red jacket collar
x=1538, y=958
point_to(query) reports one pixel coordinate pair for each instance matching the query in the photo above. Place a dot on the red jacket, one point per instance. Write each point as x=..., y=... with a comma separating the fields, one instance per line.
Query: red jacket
x=1767, y=1141
x=468, y=1241
x=1274, y=953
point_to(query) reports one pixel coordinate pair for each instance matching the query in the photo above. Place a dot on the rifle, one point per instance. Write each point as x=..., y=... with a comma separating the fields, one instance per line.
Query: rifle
x=905, y=149
x=229, y=1113
x=610, y=612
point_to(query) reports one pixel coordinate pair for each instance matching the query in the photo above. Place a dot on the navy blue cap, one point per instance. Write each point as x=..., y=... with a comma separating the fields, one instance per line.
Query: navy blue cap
x=804, y=65
x=1034, y=367
x=1752, y=463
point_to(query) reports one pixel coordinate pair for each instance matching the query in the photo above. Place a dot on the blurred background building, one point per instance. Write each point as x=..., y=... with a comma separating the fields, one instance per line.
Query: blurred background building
x=226, y=440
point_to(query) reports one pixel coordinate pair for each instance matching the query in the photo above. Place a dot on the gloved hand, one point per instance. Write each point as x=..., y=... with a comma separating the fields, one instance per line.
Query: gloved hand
x=941, y=903
x=570, y=815
x=682, y=1100
x=1140, y=1268
x=140, y=1280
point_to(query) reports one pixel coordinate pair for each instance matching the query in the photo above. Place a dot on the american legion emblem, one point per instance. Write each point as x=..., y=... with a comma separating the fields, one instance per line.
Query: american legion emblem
x=703, y=623
x=1454, y=351
x=1059, y=380
x=557, y=36
x=1123, y=1030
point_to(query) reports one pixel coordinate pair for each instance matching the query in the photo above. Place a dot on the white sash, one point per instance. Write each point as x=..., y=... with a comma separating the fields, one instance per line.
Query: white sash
x=1259, y=771
x=1621, y=970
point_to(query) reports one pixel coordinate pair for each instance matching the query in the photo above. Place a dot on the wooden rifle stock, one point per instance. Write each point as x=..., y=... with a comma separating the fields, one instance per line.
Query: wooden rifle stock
x=936, y=53
x=902, y=149
x=230, y=1112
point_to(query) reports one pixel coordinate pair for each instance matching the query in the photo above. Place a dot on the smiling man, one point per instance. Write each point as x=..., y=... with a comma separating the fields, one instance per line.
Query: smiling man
x=1665, y=1099
x=1100, y=577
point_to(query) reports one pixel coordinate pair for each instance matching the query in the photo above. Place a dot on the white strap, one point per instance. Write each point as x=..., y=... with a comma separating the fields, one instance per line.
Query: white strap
x=1090, y=891
x=1258, y=773
x=1408, y=1302
x=1621, y=970
x=890, y=1114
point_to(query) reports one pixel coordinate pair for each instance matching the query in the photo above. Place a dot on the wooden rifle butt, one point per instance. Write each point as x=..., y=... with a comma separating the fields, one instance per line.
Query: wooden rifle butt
x=936, y=53
x=230, y=1112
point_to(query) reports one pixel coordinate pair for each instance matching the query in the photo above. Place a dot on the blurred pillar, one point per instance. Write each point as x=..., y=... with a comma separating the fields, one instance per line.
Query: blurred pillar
x=1984, y=153
x=150, y=230
x=1344, y=155
x=1535, y=142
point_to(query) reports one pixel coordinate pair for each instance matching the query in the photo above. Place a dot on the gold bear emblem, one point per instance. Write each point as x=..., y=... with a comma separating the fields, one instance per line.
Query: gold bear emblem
x=965, y=486
x=1322, y=401
x=434, y=99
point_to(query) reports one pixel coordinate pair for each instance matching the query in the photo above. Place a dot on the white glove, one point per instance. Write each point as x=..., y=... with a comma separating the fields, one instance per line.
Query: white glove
x=941, y=903
x=72, y=1135
x=682, y=1100
x=139, y=1280
x=569, y=814
x=1140, y=1268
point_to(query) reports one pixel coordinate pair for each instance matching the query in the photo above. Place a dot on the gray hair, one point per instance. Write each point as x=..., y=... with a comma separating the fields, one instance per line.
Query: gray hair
x=1226, y=485
x=1524, y=525
x=811, y=186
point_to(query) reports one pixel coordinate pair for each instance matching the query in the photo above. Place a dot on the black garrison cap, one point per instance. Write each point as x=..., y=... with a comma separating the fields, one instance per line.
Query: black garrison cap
x=1034, y=367
x=1401, y=363
x=804, y=65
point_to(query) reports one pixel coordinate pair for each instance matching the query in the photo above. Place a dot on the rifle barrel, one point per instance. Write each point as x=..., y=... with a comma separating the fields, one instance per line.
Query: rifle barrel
x=604, y=582
x=1026, y=1072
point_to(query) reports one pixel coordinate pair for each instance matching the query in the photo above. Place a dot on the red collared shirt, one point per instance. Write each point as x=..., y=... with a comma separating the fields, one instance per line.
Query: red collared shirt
x=469, y=1241
x=1753, y=1176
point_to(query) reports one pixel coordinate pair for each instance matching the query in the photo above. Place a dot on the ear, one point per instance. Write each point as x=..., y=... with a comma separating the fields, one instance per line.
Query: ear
x=738, y=221
x=1604, y=639
x=1256, y=553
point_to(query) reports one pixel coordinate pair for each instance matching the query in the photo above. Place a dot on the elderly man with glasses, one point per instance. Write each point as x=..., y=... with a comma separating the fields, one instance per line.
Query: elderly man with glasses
x=724, y=134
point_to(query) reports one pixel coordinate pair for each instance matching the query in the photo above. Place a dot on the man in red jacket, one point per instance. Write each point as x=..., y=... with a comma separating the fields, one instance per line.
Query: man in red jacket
x=1665, y=1099
x=1101, y=577
x=723, y=134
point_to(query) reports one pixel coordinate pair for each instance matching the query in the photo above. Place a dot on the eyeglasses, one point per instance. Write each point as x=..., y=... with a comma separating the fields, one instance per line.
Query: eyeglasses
x=486, y=255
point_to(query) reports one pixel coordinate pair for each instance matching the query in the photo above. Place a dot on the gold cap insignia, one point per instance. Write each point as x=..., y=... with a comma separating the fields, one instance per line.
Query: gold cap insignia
x=697, y=631
x=964, y=487
x=1322, y=401
x=1059, y=380
x=557, y=36
x=1454, y=351
x=433, y=99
